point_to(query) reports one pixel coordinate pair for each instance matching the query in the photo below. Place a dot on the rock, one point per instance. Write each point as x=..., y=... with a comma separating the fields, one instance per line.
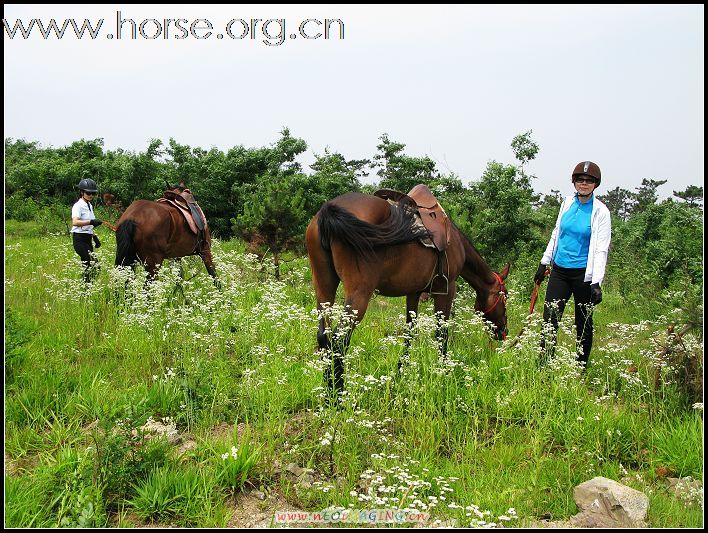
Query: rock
x=606, y=503
x=591, y=520
x=685, y=488
x=294, y=469
x=305, y=482
x=305, y=476
x=160, y=429
x=258, y=495
x=186, y=446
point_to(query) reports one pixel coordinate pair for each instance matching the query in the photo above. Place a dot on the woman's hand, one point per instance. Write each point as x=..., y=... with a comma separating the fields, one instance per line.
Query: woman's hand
x=595, y=293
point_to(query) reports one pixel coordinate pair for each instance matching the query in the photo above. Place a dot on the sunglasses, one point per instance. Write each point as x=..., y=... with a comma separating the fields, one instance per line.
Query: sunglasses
x=585, y=180
x=90, y=193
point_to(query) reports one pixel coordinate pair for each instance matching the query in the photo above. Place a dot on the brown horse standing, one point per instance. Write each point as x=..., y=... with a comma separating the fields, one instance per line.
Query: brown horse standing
x=149, y=232
x=367, y=244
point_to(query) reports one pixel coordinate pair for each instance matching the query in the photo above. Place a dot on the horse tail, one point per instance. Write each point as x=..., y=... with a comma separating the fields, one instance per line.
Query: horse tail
x=335, y=222
x=126, y=254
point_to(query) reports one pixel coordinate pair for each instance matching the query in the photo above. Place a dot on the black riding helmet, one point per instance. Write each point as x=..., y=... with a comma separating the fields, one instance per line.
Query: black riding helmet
x=88, y=185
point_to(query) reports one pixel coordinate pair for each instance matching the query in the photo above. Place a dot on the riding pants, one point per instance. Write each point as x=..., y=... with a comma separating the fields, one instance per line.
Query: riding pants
x=563, y=283
x=84, y=247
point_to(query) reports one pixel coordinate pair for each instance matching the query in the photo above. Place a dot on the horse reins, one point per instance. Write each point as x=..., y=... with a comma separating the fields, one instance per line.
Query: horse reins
x=110, y=226
x=534, y=294
x=534, y=297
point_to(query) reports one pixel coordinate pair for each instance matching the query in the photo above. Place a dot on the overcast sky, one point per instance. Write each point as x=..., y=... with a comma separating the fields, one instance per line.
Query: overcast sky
x=618, y=85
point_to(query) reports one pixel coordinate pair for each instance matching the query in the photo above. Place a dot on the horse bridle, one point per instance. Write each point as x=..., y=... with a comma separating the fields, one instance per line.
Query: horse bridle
x=501, y=296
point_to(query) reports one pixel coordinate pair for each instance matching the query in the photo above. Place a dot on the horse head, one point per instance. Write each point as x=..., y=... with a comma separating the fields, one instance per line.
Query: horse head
x=493, y=305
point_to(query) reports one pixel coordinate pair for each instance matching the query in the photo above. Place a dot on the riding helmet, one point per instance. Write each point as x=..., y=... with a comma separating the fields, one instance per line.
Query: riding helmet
x=587, y=168
x=88, y=185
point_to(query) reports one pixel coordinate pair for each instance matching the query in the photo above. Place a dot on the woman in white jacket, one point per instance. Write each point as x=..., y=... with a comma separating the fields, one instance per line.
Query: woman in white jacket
x=577, y=252
x=83, y=222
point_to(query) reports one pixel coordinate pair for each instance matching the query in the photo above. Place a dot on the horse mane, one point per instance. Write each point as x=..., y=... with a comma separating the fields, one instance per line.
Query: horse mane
x=473, y=258
x=335, y=222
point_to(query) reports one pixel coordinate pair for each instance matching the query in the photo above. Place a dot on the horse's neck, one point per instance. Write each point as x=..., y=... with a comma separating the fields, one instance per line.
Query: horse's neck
x=475, y=271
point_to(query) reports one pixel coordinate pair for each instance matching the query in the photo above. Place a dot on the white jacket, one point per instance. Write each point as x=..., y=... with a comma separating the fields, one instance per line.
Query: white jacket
x=600, y=235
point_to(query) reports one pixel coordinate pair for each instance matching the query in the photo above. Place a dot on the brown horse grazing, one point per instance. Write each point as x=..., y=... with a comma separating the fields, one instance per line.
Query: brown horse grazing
x=149, y=232
x=369, y=244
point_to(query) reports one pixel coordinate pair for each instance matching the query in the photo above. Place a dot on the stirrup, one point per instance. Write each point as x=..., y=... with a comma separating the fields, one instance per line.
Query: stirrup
x=447, y=284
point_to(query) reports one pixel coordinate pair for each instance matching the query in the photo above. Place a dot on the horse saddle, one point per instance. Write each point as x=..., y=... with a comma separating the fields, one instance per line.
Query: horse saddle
x=185, y=204
x=421, y=200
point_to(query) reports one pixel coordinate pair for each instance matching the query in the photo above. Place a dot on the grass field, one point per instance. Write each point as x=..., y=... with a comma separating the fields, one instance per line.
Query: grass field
x=482, y=437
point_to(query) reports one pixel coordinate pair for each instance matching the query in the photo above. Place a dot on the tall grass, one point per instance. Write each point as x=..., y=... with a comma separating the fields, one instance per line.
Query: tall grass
x=480, y=437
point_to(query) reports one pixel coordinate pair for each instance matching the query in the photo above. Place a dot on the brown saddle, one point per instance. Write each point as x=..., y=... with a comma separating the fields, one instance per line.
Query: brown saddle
x=185, y=204
x=431, y=212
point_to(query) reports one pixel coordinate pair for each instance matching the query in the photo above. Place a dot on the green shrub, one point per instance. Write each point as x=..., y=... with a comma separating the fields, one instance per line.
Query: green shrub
x=20, y=208
x=126, y=459
x=184, y=495
x=678, y=446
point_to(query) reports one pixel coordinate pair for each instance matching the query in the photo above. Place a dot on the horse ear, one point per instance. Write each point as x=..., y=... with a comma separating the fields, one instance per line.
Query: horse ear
x=505, y=271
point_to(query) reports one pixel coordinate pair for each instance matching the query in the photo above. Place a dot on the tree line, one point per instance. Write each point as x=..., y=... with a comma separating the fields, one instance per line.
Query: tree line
x=264, y=196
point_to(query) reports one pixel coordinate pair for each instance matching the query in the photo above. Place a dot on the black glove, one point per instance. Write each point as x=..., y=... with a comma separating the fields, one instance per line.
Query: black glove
x=540, y=274
x=96, y=242
x=595, y=293
x=95, y=222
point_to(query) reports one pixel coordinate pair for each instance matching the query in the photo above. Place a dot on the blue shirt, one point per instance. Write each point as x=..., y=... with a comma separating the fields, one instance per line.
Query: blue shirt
x=574, y=235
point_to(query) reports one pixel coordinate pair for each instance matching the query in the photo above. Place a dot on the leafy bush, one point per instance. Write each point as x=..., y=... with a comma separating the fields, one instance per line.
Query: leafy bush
x=125, y=459
x=16, y=335
x=18, y=207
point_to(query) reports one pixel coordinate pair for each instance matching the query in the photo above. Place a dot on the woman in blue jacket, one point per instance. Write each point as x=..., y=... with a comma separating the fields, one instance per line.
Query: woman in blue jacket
x=577, y=252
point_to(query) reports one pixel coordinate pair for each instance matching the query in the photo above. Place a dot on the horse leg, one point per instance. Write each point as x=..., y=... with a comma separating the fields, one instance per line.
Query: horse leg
x=152, y=265
x=179, y=285
x=443, y=306
x=325, y=282
x=355, y=306
x=208, y=260
x=126, y=284
x=412, y=301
